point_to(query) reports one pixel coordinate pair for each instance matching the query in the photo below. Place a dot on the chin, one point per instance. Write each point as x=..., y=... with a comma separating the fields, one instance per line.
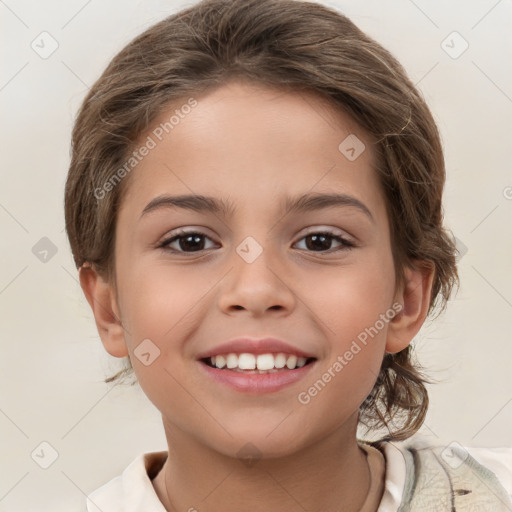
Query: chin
x=256, y=444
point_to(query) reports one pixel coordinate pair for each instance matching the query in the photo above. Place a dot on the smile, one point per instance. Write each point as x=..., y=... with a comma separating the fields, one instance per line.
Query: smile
x=264, y=373
x=258, y=362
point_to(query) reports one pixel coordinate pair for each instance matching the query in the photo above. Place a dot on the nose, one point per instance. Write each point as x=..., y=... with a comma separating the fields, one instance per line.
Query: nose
x=258, y=281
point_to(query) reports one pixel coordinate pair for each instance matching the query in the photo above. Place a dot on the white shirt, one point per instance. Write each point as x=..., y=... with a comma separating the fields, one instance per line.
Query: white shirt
x=133, y=491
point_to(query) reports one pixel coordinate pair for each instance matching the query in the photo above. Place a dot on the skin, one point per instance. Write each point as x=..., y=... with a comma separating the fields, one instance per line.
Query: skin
x=316, y=299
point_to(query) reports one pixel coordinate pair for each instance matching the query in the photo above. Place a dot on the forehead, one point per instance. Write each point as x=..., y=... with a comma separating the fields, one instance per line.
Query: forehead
x=244, y=140
x=263, y=121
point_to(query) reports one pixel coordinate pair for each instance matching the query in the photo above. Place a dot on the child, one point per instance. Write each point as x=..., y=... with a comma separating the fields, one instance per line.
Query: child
x=295, y=153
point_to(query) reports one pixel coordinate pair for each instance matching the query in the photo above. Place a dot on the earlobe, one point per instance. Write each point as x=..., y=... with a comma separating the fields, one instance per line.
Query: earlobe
x=415, y=298
x=101, y=297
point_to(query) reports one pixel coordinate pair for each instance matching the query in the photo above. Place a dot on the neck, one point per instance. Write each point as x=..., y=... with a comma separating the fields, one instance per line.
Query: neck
x=330, y=474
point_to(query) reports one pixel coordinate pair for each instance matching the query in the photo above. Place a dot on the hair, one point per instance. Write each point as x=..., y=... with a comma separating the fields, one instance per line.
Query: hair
x=296, y=46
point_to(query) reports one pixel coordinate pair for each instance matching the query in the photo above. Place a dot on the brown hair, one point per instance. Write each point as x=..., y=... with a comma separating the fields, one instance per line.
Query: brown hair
x=294, y=45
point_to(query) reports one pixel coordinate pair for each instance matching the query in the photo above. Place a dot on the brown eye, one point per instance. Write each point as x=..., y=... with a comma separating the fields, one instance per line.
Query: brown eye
x=192, y=241
x=321, y=242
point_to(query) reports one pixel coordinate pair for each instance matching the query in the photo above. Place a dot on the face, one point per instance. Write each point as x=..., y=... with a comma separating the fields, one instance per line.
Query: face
x=315, y=278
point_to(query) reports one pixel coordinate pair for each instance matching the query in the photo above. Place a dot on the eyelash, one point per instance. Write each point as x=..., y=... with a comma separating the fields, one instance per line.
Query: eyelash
x=345, y=244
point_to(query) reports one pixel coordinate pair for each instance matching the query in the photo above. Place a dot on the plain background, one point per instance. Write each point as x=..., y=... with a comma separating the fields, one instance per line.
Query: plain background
x=52, y=361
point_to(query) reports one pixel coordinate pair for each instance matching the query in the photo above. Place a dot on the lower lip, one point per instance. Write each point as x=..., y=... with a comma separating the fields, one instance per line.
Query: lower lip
x=257, y=383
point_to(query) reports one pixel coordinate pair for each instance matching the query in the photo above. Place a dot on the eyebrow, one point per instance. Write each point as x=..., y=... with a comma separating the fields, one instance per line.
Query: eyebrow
x=304, y=203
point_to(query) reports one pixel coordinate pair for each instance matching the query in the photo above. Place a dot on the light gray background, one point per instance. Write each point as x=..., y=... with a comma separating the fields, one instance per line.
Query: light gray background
x=52, y=361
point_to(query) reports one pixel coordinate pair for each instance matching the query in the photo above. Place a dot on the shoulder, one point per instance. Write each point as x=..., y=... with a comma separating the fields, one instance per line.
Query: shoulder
x=497, y=460
x=132, y=491
x=453, y=477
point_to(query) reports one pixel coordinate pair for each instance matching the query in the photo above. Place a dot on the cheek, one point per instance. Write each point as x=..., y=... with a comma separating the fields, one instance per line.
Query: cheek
x=159, y=297
x=355, y=313
x=354, y=297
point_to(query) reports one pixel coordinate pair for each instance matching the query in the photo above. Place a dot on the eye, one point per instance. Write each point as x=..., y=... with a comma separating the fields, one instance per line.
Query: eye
x=187, y=241
x=194, y=241
x=320, y=240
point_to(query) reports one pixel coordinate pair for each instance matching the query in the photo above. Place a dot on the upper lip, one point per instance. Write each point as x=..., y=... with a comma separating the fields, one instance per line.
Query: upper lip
x=254, y=346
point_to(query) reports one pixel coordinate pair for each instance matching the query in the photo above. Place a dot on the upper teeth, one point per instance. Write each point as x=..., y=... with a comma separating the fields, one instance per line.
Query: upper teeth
x=261, y=361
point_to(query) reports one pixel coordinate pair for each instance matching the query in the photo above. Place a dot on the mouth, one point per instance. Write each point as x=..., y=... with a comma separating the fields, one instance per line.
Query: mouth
x=257, y=365
x=254, y=380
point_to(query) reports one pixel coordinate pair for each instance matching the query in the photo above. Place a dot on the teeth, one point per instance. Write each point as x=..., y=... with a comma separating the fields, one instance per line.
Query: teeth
x=231, y=361
x=247, y=362
x=291, y=362
x=280, y=360
x=219, y=361
x=264, y=362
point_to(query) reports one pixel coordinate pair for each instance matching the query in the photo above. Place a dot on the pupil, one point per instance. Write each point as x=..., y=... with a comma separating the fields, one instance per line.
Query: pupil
x=318, y=238
x=195, y=239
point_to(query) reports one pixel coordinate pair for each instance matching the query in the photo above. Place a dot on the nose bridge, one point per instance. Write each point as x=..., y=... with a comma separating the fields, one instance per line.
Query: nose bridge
x=257, y=281
x=254, y=233
x=258, y=260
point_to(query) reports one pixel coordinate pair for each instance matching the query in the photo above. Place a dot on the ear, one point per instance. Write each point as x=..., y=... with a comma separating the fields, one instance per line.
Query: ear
x=102, y=299
x=414, y=295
